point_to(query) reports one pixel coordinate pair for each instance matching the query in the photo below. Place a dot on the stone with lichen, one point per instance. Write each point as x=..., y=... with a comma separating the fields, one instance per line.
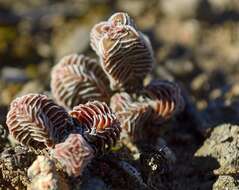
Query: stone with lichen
x=226, y=182
x=222, y=145
x=12, y=179
x=43, y=175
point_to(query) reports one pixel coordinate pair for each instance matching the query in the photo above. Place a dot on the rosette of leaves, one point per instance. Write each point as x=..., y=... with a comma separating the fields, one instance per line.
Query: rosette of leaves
x=165, y=98
x=138, y=113
x=125, y=53
x=102, y=127
x=132, y=114
x=78, y=79
x=73, y=154
x=125, y=56
x=37, y=122
x=100, y=29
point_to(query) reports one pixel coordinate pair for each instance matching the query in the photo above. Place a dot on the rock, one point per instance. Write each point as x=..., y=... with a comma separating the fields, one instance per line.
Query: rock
x=219, y=46
x=44, y=50
x=147, y=21
x=164, y=73
x=226, y=182
x=44, y=70
x=8, y=36
x=42, y=165
x=23, y=6
x=179, y=67
x=11, y=74
x=31, y=87
x=200, y=82
x=186, y=35
x=233, y=92
x=134, y=8
x=8, y=93
x=11, y=178
x=43, y=175
x=18, y=157
x=179, y=9
x=77, y=41
x=222, y=145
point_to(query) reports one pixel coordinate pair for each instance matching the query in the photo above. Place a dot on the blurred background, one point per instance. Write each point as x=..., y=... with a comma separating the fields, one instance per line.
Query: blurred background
x=196, y=43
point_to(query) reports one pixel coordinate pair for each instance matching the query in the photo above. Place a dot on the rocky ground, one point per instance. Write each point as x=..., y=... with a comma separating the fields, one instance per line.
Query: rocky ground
x=196, y=44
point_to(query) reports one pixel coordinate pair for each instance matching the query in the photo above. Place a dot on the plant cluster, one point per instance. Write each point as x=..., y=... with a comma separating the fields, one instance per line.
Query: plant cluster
x=37, y=122
x=80, y=125
x=125, y=57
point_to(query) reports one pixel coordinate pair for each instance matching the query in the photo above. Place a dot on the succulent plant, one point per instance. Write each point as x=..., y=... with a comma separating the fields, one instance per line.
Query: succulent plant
x=165, y=98
x=102, y=127
x=90, y=127
x=125, y=53
x=36, y=121
x=73, y=154
x=158, y=102
x=78, y=79
x=133, y=115
x=99, y=30
x=125, y=56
